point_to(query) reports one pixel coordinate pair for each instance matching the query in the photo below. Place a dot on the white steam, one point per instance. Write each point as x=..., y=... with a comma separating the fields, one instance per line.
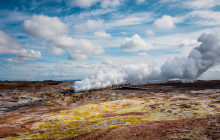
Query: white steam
x=101, y=80
x=199, y=60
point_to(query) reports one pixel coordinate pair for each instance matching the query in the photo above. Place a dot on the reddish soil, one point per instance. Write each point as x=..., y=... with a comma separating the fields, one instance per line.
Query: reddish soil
x=185, y=129
x=11, y=131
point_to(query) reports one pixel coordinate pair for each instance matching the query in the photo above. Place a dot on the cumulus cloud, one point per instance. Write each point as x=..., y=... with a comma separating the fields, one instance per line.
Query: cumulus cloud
x=166, y=22
x=198, y=61
x=56, y=51
x=12, y=47
x=44, y=27
x=135, y=43
x=107, y=62
x=54, y=31
x=102, y=34
x=78, y=47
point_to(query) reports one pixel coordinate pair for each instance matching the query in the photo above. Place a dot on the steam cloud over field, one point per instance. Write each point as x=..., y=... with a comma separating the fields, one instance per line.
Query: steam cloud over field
x=198, y=61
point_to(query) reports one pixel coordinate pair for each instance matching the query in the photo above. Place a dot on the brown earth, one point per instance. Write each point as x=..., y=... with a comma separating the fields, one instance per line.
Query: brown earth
x=23, y=104
x=185, y=129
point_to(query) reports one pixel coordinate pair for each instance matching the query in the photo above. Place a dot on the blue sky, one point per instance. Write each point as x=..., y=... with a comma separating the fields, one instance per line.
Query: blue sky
x=71, y=39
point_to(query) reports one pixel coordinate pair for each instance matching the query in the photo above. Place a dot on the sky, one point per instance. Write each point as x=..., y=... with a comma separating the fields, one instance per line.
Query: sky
x=73, y=39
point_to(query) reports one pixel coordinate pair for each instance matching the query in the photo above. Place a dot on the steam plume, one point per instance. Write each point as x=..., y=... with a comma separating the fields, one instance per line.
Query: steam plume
x=199, y=60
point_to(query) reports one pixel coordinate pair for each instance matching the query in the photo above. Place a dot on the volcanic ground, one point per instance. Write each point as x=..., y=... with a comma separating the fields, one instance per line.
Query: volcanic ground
x=51, y=110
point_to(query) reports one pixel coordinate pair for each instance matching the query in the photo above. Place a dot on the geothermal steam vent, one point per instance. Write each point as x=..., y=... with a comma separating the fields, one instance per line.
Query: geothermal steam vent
x=198, y=61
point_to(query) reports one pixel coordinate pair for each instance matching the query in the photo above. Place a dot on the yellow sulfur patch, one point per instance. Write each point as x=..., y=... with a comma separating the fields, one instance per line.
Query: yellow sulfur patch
x=92, y=117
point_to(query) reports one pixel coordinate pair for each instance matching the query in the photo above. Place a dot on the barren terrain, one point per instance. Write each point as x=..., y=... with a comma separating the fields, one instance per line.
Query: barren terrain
x=51, y=110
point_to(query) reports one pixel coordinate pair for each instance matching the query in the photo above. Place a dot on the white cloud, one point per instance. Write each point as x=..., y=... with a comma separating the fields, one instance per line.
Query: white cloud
x=115, y=21
x=95, y=12
x=13, y=60
x=187, y=45
x=110, y=3
x=56, y=51
x=26, y=54
x=78, y=46
x=195, y=17
x=12, y=47
x=203, y=17
x=132, y=19
x=55, y=32
x=191, y=67
x=102, y=34
x=129, y=20
x=8, y=16
x=107, y=62
x=44, y=27
x=199, y=18
x=140, y=1
x=89, y=3
x=166, y=22
x=90, y=25
x=149, y=32
x=135, y=43
x=201, y=4
x=192, y=4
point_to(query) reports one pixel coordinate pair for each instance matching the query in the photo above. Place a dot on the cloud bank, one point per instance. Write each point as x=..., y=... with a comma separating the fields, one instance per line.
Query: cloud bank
x=54, y=31
x=198, y=61
x=12, y=47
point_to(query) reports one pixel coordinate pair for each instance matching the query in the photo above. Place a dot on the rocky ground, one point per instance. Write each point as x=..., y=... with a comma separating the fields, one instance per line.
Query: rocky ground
x=51, y=110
